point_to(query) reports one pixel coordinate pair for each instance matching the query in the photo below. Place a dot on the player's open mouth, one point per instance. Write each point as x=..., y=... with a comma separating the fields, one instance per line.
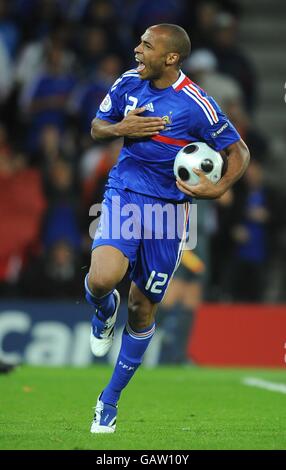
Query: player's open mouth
x=141, y=66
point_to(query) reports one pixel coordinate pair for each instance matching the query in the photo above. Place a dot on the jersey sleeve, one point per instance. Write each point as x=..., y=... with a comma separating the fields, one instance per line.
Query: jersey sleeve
x=111, y=108
x=213, y=126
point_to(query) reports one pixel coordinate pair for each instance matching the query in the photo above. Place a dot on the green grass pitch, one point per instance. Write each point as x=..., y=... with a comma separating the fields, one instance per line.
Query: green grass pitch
x=163, y=408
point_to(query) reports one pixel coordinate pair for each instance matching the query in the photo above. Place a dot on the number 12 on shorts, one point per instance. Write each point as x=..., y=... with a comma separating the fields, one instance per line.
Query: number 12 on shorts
x=154, y=287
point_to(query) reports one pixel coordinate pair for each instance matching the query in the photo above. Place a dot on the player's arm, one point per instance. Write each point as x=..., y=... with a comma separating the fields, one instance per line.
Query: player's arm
x=237, y=161
x=133, y=126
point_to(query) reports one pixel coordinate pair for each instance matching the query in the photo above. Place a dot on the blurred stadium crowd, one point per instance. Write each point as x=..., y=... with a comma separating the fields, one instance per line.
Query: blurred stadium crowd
x=58, y=58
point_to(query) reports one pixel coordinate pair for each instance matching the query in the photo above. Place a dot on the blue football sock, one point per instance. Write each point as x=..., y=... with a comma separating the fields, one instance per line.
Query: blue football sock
x=105, y=305
x=133, y=347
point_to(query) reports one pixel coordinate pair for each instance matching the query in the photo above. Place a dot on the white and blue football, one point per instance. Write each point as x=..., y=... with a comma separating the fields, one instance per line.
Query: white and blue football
x=202, y=156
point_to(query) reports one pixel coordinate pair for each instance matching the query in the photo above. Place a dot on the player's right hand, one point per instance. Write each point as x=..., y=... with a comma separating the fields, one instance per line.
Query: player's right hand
x=135, y=126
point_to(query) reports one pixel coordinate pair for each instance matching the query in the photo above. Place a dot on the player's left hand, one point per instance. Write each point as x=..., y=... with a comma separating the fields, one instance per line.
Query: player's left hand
x=205, y=189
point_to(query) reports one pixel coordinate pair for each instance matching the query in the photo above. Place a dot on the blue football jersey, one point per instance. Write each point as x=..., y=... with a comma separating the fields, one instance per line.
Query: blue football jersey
x=145, y=165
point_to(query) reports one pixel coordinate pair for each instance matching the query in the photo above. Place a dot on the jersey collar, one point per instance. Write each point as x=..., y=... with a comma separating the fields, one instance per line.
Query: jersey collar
x=178, y=82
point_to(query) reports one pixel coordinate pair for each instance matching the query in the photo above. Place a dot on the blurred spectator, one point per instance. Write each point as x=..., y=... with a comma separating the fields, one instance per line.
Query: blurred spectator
x=6, y=73
x=62, y=222
x=202, y=68
x=53, y=146
x=251, y=250
x=93, y=48
x=43, y=16
x=62, y=215
x=22, y=11
x=9, y=33
x=231, y=60
x=33, y=58
x=57, y=274
x=60, y=182
x=95, y=166
x=73, y=9
x=89, y=94
x=202, y=17
x=49, y=148
x=22, y=206
x=177, y=311
x=229, y=207
x=44, y=101
x=256, y=141
x=186, y=290
x=101, y=14
x=221, y=252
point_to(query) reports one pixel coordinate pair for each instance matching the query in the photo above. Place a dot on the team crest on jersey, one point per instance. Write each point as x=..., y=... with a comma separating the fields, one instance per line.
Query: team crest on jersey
x=106, y=104
x=168, y=121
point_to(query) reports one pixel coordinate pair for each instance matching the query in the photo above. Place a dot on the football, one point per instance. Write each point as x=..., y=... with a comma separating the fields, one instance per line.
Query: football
x=198, y=155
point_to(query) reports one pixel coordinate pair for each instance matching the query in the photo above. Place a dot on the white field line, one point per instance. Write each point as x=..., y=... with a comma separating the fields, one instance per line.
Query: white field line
x=264, y=384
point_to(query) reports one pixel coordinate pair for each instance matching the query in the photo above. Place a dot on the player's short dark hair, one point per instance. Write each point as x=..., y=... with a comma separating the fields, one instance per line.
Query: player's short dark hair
x=179, y=40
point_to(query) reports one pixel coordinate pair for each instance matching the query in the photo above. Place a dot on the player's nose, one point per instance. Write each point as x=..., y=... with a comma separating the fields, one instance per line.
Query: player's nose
x=138, y=49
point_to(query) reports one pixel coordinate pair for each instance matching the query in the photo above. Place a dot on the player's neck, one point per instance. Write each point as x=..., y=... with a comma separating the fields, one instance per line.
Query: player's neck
x=167, y=80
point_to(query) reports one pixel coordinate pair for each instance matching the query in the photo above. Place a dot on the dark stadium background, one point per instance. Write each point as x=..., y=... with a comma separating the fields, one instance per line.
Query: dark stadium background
x=57, y=60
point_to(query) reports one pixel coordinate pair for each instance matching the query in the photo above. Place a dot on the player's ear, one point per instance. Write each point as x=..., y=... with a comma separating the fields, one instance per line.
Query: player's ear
x=172, y=58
